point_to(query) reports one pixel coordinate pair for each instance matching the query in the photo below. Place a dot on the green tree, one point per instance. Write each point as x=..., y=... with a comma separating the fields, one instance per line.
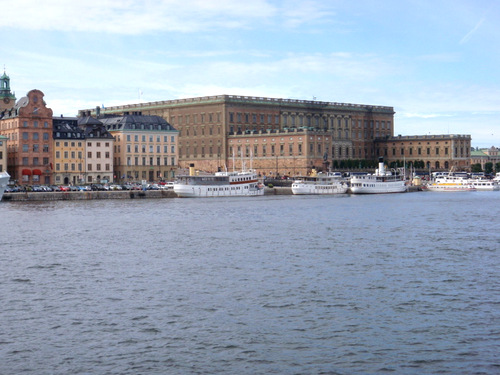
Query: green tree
x=488, y=167
x=475, y=168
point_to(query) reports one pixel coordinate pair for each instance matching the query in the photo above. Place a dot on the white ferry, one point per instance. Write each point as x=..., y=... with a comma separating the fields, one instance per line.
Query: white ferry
x=4, y=180
x=451, y=182
x=380, y=182
x=320, y=183
x=220, y=184
x=483, y=184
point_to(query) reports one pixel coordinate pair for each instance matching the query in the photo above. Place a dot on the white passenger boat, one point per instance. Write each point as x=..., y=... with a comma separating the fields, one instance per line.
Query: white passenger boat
x=380, y=182
x=320, y=183
x=451, y=182
x=483, y=184
x=220, y=184
x=4, y=180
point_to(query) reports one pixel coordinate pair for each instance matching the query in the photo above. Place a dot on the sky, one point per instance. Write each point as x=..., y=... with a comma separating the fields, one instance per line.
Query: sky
x=437, y=62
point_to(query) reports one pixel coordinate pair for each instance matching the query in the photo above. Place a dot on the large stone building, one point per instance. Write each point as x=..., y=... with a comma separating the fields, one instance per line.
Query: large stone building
x=436, y=152
x=280, y=135
x=28, y=126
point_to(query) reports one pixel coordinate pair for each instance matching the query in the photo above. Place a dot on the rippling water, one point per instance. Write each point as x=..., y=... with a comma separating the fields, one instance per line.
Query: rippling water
x=405, y=283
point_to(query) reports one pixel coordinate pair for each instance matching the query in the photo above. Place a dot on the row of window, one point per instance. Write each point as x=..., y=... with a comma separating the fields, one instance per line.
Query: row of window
x=73, y=167
x=35, y=136
x=428, y=150
x=196, y=118
x=151, y=148
x=35, y=124
x=202, y=131
x=74, y=154
x=151, y=137
x=35, y=161
x=79, y=144
x=35, y=148
x=144, y=161
x=253, y=116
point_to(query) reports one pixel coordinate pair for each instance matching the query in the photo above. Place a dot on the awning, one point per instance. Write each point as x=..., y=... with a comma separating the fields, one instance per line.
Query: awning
x=26, y=172
x=37, y=172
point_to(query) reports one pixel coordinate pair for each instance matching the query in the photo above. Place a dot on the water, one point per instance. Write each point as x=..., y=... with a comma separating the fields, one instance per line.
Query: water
x=405, y=283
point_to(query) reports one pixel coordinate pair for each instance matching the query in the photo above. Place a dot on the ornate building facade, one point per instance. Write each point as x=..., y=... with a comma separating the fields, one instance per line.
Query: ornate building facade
x=28, y=126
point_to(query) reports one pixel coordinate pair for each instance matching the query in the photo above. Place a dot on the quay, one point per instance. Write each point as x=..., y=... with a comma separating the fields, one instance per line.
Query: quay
x=125, y=194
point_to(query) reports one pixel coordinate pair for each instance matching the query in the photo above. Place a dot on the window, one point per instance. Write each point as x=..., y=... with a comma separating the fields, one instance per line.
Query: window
x=25, y=148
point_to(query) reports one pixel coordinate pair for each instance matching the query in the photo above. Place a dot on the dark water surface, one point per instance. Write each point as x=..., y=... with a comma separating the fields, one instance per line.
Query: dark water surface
x=404, y=283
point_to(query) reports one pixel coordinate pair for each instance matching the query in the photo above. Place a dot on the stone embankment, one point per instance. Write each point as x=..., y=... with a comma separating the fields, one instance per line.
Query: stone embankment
x=88, y=195
x=125, y=194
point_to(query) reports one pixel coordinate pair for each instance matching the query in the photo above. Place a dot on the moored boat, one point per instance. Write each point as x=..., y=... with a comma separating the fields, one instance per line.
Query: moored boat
x=484, y=184
x=220, y=184
x=380, y=182
x=322, y=183
x=4, y=180
x=449, y=183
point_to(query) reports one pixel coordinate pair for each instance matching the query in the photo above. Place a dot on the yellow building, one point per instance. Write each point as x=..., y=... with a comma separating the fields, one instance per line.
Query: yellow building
x=69, y=151
x=145, y=147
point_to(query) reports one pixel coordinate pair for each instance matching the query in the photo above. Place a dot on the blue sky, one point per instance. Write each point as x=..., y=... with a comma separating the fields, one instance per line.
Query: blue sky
x=436, y=62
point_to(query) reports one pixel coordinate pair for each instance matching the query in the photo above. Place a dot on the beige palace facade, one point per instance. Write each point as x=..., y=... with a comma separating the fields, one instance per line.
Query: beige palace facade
x=439, y=152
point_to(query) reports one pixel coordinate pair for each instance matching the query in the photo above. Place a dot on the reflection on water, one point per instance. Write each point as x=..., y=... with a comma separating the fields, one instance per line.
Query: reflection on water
x=404, y=283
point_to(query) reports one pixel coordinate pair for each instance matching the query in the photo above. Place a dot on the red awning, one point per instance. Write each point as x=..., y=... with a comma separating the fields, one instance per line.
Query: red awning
x=37, y=172
x=26, y=172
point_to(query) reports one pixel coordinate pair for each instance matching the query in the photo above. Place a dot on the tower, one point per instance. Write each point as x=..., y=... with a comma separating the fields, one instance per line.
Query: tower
x=7, y=99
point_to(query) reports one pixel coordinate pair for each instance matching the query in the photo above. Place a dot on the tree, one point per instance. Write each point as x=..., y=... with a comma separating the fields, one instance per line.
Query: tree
x=488, y=167
x=475, y=168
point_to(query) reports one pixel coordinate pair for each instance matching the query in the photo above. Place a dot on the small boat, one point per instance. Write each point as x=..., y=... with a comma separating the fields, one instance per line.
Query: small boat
x=380, y=182
x=450, y=182
x=221, y=184
x=319, y=183
x=4, y=180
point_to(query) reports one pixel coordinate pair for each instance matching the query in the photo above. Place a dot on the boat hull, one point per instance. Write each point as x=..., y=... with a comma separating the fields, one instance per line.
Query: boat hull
x=309, y=189
x=4, y=180
x=196, y=191
x=367, y=186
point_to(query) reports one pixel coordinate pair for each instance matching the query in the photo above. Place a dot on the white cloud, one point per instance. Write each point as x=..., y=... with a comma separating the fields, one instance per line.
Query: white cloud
x=132, y=17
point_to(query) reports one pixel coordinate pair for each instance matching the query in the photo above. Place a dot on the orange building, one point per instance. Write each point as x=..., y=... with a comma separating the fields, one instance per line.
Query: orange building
x=28, y=125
